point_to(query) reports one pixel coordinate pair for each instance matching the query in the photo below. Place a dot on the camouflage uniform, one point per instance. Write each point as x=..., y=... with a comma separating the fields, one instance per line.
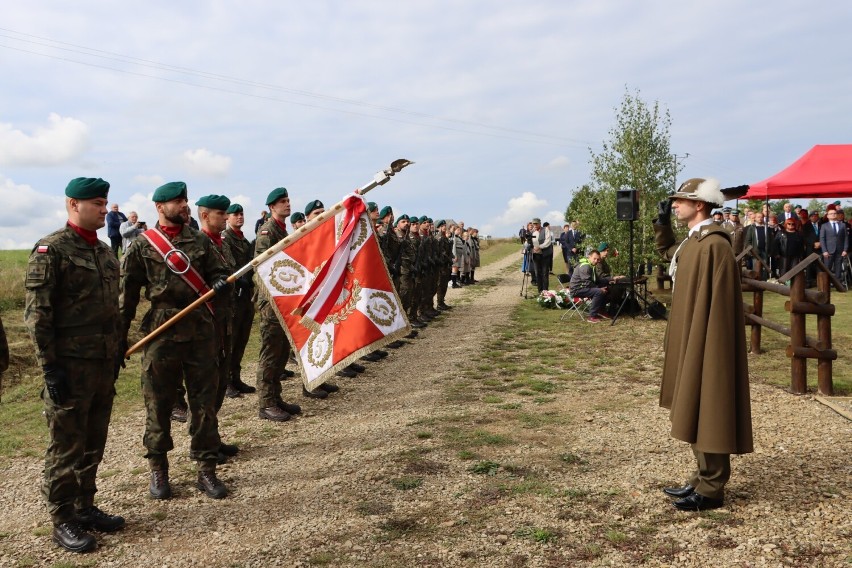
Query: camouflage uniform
x=4, y=353
x=445, y=267
x=416, y=276
x=223, y=316
x=408, y=252
x=391, y=248
x=186, y=350
x=274, y=346
x=429, y=278
x=243, y=253
x=72, y=315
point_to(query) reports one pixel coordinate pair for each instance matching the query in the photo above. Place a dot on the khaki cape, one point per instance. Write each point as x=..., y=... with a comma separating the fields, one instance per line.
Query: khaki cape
x=705, y=373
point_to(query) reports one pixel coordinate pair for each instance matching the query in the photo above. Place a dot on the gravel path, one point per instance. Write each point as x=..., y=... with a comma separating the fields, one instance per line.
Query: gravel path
x=329, y=488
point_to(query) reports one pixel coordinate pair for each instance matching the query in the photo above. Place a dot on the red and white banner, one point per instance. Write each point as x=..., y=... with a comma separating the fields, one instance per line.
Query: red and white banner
x=333, y=294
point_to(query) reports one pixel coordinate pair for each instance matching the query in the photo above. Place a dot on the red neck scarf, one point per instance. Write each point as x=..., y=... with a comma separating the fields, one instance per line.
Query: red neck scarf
x=171, y=232
x=280, y=224
x=91, y=237
x=215, y=237
x=237, y=232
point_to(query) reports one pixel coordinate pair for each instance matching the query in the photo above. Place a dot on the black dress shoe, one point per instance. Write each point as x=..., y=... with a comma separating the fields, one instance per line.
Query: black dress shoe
x=380, y=353
x=240, y=386
x=71, y=536
x=347, y=372
x=289, y=408
x=679, y=492
x=273, y=413
x=329, y=387
x=210, y=484
x=93, y=518
x=356, y=367
x=697, y=502
x=231, y=392
x=229, y=450
x=316, y=393
x=372, y=357
x=159, y=487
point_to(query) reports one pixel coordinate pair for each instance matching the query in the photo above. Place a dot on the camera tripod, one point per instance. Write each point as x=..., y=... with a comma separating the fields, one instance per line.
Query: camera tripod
x=526, y=267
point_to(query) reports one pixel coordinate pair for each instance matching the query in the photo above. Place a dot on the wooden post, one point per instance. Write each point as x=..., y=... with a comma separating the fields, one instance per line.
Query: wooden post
x=825, y=384
x=755, y=329
x=799, y=365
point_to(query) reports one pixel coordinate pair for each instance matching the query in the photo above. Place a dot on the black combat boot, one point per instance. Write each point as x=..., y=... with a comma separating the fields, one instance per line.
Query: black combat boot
x=159, y=487
x=241, y=387
x=289, y=408
x=210, y=484
x=93, y=518
x=70, y=535
x=329, y=387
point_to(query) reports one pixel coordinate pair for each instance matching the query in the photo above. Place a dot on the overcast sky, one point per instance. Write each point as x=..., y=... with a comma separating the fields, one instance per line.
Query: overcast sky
x=497, y=103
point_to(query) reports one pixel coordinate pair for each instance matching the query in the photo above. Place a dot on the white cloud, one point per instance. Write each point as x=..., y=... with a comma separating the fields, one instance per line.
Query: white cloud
x=63, y=140
x=203, y=162
x=521, y=209
x=142, y=204
x=555, y=218
x=152, y=182
x=558, y=163
x=36, y=214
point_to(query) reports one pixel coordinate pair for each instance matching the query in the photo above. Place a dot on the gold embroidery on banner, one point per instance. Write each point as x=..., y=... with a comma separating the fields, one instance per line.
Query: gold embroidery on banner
x=319, y=348
x=286, y=276
x=380, y=304
x=349, y=298
x=362, y=234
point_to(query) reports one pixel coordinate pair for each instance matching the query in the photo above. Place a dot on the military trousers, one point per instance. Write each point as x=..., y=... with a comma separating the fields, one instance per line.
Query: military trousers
x=164, y=364
x=416, y=297
x=274, y=353
x=713, y=472
x=78, y=434
x=243, y=320
x=444, y=273
x=406, y=284
x=223, y=360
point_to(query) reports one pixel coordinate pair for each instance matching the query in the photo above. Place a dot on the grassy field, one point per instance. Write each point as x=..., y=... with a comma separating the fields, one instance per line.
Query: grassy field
x=22, y=429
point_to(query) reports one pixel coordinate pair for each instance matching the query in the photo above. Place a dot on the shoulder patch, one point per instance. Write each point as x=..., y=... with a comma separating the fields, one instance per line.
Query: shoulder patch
x=41, y=249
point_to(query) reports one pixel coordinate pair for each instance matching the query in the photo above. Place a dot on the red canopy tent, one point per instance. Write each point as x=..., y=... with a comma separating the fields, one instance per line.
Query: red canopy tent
x=825, y=171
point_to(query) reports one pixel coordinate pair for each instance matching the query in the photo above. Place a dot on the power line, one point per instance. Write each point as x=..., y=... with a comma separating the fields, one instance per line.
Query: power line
x=117, y=57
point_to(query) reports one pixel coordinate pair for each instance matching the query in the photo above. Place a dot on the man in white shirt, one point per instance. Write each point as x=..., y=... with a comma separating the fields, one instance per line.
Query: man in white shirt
x=542, y=254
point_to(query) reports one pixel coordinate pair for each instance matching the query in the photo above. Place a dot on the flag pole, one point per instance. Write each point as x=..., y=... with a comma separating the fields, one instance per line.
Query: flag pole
x=380, y=178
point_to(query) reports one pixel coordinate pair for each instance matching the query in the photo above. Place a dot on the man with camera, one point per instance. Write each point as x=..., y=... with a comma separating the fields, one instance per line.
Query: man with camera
x=542, y=243
x=131, y=229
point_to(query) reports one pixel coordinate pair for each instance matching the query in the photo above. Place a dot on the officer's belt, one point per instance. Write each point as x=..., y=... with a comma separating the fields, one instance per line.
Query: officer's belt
x=81, y=330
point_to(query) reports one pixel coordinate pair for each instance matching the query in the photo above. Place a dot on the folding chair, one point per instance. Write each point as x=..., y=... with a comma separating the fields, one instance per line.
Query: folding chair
x=576, y=306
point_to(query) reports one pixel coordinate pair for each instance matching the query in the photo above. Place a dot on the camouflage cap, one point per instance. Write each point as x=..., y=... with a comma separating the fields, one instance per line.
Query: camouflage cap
x=87, y=188
x=169, y=191
x=234, y=208
x=276, y=194
x=218, y=202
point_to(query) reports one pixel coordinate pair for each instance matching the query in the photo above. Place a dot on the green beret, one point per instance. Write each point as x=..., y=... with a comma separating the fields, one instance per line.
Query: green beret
x=429, y=220
x=441, y=223
x=371, y=206
x=414, y=219
x=275, y=195
x=169, y=191
x=837, y=202
x=603, y=246
x=218, y=202
x=386, y=210
x=234, y=208
x=87, y=188
x=313, y=206
x=424, y=219
x=297, y=216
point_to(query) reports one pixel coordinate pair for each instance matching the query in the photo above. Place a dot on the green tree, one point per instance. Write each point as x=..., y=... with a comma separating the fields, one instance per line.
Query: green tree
x=636, y=156
x=816, y=205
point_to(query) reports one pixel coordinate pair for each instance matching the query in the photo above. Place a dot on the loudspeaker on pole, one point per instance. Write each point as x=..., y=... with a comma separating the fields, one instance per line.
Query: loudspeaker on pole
x=626, y=205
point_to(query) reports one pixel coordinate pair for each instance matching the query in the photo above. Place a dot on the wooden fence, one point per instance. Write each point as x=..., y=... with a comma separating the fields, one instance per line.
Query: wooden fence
x=802, y=302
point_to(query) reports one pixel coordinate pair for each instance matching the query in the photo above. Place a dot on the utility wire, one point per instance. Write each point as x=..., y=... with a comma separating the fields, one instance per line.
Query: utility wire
x=117, y=57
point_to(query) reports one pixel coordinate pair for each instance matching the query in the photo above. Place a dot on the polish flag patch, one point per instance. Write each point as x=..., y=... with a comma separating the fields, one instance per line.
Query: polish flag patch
x=42, y=249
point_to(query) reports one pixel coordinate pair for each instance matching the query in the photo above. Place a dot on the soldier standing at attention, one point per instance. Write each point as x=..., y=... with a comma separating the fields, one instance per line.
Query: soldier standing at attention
x=445, y=265
x=212, y=217
x=175, y=263
x=705, y=372
x=4, y=354
x=242, y=251
x=72, y=316
x=274, y=346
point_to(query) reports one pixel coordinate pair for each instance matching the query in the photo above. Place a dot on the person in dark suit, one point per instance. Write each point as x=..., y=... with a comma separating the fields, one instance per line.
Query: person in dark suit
x=834, y=242
x=572, y=242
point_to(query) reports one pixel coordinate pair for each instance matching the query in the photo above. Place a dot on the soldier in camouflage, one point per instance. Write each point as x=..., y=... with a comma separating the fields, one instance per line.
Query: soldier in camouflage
x=274, y=346
x=429, y=265
x=72, y=315
x=407, y=257
x=445, y=264
x=416, y=274
x=212, y=220
x=243, y=252
x=4, y=354
x=187, y=350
